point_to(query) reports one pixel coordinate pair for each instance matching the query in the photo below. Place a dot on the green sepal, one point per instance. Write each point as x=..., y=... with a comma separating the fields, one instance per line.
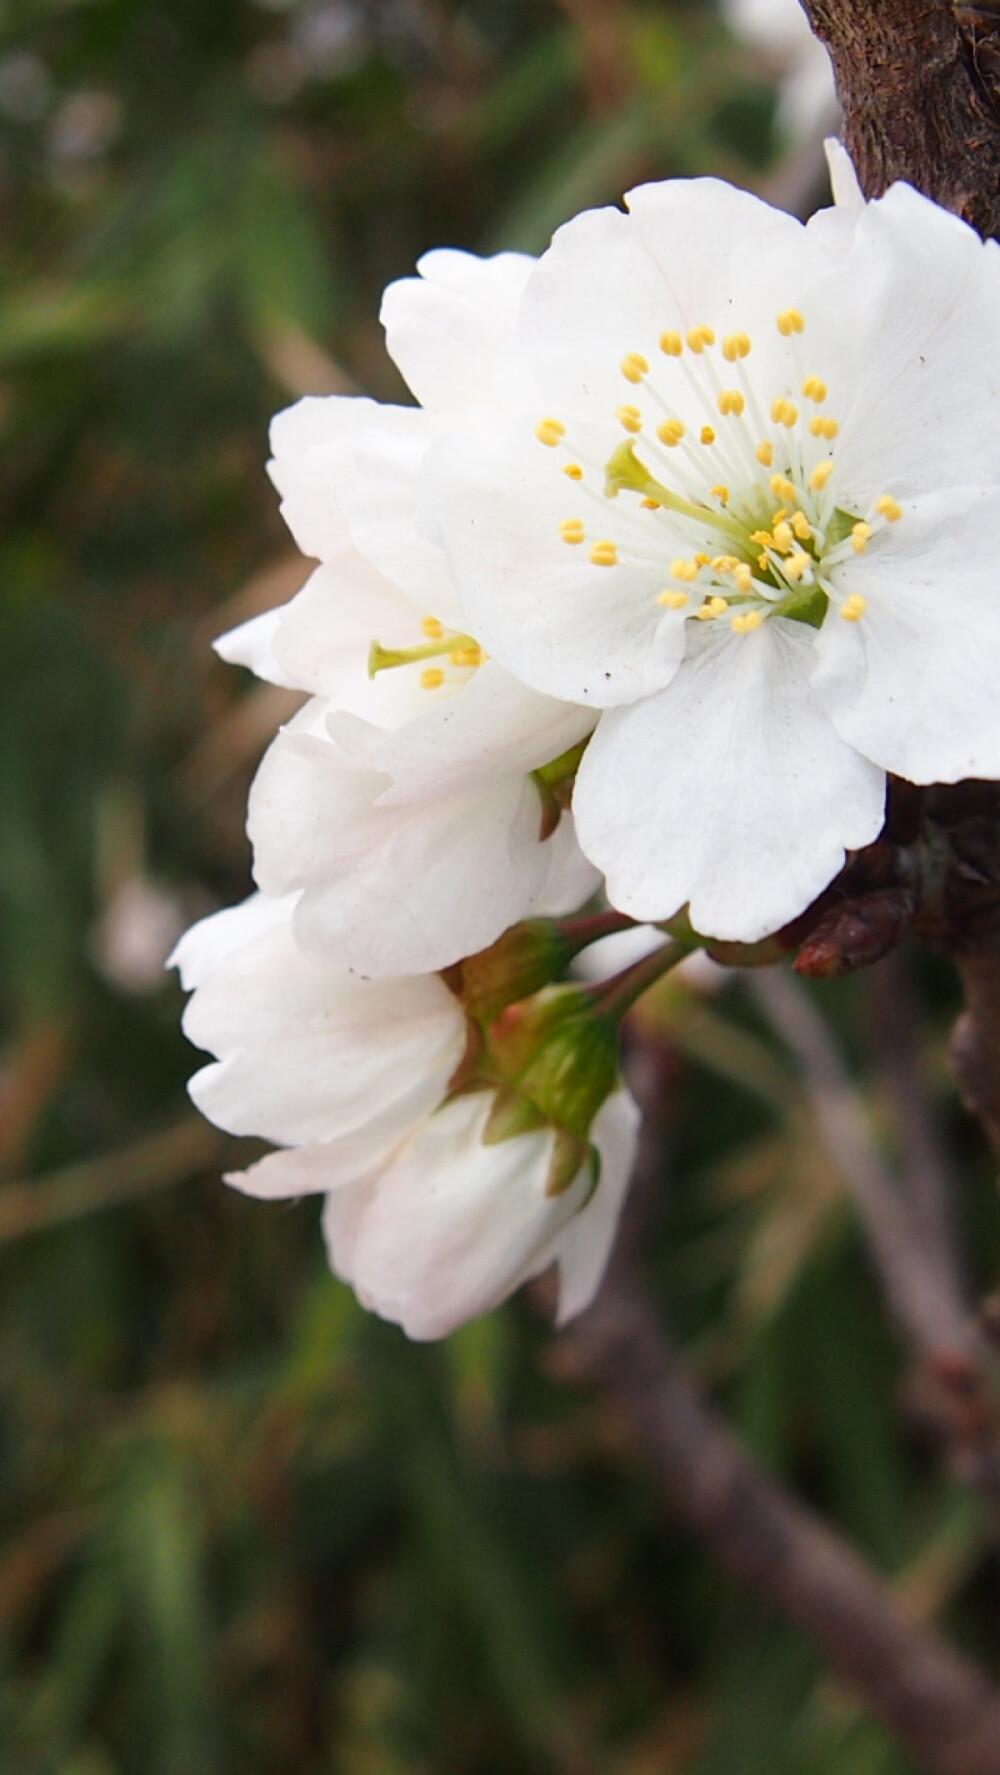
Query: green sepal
x=512, y=1114
x=525, y=959
x=570, y=1155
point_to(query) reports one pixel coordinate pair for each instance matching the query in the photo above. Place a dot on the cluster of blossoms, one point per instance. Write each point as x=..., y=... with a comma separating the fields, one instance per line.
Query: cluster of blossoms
x=690, y=541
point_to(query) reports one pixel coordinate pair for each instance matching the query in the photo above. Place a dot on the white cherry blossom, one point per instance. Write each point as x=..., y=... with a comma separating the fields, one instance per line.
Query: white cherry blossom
x=745, y=504
x=451, y=1226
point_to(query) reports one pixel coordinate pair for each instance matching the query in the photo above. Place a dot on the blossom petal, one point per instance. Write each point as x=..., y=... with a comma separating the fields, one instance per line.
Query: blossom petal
x=312, y=447
x=584, y=1245
x=729, y=790
x=447, y=328
x=212, y=939
x=913, y=685
x=451, y=1227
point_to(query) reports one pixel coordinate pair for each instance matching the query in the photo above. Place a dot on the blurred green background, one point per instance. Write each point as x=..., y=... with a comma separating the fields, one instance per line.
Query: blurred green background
x=244, y=1526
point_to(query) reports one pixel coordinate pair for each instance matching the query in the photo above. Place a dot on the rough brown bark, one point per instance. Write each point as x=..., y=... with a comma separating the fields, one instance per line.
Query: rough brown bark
x=917, y=104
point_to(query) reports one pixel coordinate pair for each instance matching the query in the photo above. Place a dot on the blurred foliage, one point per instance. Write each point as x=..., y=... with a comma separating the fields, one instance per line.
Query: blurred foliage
x=244, y=1526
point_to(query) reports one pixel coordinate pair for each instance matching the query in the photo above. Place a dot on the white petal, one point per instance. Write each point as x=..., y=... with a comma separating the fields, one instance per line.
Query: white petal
x=252, y=645
x=313, y=445
x=447, y=328
x=306, y=1054
x=495, y=727
x=452, y=1226
x=303, y=1171
x=729, y=789
x=212, y=939
x=847, y=193
x=570, y=877
x=377, y=494
x=913, y=685
x=584, y=1245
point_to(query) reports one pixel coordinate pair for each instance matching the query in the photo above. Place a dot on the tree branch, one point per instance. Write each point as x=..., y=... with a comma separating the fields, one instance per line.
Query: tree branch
x=915, y=105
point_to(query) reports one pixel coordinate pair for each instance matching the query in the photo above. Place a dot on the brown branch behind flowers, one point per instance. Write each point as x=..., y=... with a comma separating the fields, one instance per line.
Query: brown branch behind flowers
x=918, y=100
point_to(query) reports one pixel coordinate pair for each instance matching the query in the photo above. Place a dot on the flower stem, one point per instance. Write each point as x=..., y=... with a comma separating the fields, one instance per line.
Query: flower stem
x=616, y=996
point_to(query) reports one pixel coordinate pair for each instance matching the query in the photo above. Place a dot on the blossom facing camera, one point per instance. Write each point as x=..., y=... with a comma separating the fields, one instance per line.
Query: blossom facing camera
x=747, y=510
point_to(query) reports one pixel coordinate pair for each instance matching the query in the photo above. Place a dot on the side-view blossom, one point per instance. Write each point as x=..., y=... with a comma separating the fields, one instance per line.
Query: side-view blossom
x=748, y=511
x=453, y=1223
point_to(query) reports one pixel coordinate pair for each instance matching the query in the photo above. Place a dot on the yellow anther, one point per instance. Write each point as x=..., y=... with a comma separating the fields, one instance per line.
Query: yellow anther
x=802, y=526
x=432, y=628
x=725, y=563
x=765, y=454
x=670, y=433
x=783, y=538
x=698, y=338
x=889, y=508
x=814, y=389
x=685, y=570
x=718, y=606
x=671, y=344
x=731, y=401
x=650, y=505
x=822, y=427
x=432, y=678
x=790, y=321
x=860, y=537
x=630, y=418
x=854, y=607
x=743, y=575
x=782, y=488
x=572, y=530
x=736, y=345
x=763, y=539
x=820, y=475
x=466, y=656
x=604, y=554
x=745, y=621
x=783, y=513
x=549, y=431
x=634, y=366
x=707, y=435
x=784, y=412
x=574, y=471
x=702, y=560
x=721, y=494
x=673, y=600
x=706, y=613
x=796, y=567
x=763, y=563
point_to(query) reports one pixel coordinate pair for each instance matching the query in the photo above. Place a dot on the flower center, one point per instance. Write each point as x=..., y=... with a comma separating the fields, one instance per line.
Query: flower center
x=751, y=486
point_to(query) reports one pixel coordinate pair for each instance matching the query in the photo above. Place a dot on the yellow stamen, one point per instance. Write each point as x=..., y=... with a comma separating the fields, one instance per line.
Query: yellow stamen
x=790, y=321
x=765, y=454
x=785, y=412
x=783, y=538
x=823, y=427
x=721, y=494
x=763, y=563
x=860, y=537
x=796, y=567
x=574, y=471
x=549, y=431
x=814, y=389
x=853, y=608
x=707, y=435
x=736, y=345
x=718, y=606
x=650, y=505
x=699, y=337
x=432, y=628
x=432, y=678
x=731, y=401
x=686, y=570
x=743, y=575
x=705, y=614
x=670, y=433
x=634, y=366
x=673, y=600
x=802, y=526
x=745, y=621
x=630, y=418
x=763, y=539
x=604, y=554
x=783, y=489
x=820, y=475
x=466, y=656
x=572, y=530
x=702, y=560
x=889, y=508
x=671, y=344
x=725, y=563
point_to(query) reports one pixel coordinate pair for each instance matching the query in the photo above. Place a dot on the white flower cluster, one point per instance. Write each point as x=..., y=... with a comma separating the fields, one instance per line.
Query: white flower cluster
x=691, y=540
